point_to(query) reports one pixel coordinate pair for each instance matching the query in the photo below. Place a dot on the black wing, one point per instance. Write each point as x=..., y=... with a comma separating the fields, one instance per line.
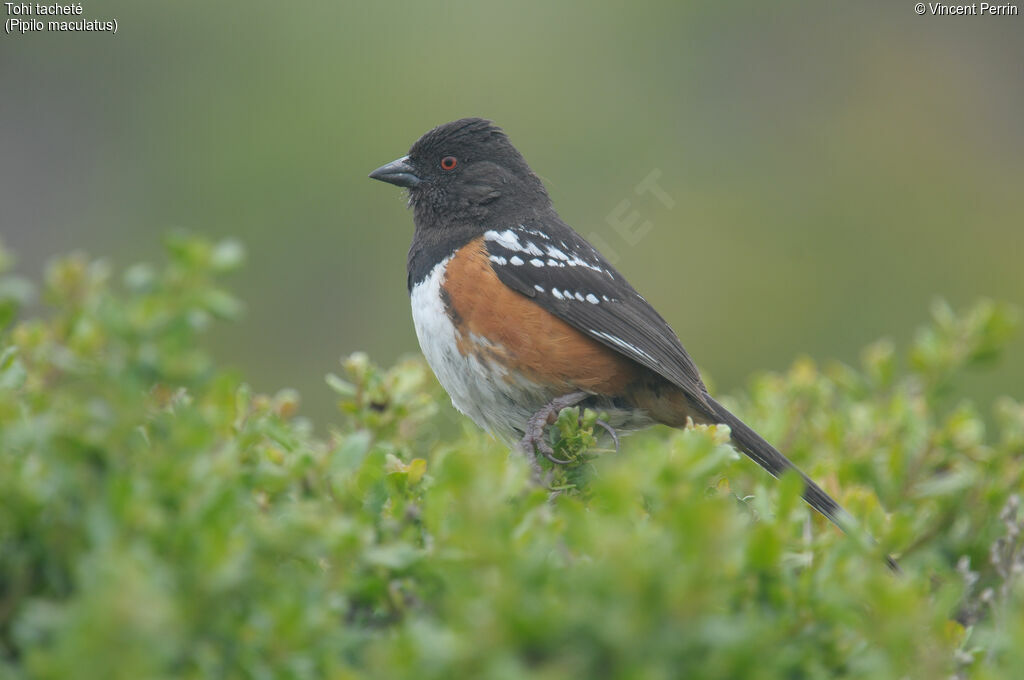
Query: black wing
x=567, y=276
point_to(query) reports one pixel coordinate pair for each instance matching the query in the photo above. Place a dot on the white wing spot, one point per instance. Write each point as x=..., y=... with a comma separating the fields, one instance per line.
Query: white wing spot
x=584, y=263
x=556, y=253
x=579, y=296
x=510, y=239
x=623, y=344
x=536, y=262
x=516, y=260
x=540, y=289
x=592, y=299
x=498, y=259
x=531, y=249
x=573, y=260
x=557, y=293
x=535, y=232
x=507, y=239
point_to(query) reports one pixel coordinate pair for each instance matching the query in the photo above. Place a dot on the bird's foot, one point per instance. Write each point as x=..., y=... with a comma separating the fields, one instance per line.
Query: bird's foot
x=535, y=439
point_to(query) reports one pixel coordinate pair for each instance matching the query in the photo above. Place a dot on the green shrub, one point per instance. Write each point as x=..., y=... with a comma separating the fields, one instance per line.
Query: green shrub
x=159, y=520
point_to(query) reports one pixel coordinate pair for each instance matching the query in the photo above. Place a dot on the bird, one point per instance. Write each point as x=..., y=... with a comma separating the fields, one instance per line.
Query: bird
x=519, y=316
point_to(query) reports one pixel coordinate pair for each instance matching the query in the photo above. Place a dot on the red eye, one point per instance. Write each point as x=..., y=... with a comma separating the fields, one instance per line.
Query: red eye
x=449, y=162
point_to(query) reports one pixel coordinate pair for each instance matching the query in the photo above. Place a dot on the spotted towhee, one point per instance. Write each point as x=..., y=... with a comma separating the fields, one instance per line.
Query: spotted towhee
x=519, y=316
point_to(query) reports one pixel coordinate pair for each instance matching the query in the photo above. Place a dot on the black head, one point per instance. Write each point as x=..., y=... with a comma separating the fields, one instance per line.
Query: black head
x=466, y=171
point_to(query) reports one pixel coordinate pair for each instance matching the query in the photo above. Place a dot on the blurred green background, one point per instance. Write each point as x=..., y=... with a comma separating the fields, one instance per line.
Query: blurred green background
x=832, y=167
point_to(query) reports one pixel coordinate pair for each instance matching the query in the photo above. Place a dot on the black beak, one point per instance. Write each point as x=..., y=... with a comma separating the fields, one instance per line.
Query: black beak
x=398, y=172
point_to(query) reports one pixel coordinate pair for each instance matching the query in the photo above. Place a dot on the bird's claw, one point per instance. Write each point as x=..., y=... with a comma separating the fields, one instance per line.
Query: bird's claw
x=534, y=441
x=610, y=430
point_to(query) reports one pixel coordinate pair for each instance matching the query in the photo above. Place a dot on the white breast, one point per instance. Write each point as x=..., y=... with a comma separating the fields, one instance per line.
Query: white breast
x=478, y=388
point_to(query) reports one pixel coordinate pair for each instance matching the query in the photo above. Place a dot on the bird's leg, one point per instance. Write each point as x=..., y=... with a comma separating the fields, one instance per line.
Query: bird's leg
x=534, y=439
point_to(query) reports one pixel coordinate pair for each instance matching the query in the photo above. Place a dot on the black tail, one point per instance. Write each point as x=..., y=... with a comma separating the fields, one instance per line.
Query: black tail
x=767, y=456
